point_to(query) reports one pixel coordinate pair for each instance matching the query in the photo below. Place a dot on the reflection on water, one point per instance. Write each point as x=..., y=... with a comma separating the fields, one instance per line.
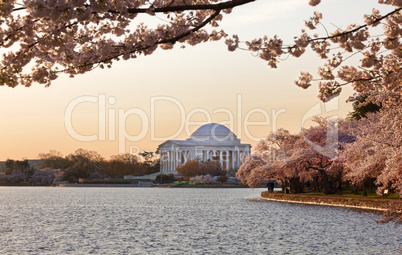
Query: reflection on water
x=181, y=221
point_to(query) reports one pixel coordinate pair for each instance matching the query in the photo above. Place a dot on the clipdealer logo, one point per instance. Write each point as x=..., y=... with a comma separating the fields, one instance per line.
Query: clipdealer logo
x=112, y=120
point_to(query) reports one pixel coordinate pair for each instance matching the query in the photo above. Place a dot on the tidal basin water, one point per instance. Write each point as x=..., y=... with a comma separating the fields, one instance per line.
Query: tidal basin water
x=44, y=220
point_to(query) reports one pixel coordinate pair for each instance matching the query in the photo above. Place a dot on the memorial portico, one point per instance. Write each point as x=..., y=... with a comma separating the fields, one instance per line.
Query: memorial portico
x=209, y=142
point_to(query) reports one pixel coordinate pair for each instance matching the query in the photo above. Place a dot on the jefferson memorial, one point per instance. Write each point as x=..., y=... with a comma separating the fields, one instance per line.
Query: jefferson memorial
x=211, y=141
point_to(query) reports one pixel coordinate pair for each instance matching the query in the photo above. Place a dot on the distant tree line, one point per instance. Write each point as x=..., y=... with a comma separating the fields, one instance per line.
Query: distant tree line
x=17, y=171
x=80, y=164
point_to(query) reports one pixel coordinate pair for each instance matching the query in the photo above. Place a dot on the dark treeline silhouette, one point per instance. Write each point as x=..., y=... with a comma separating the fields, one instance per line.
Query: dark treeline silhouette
x=80, y=164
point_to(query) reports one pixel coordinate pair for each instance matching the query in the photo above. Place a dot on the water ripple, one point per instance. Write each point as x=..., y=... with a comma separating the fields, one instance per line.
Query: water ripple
x=36, y=220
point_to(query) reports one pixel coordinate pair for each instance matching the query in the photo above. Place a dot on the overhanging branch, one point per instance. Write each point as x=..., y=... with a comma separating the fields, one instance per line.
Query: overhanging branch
x=169, y=8
x=215, y=7
x=172, y=40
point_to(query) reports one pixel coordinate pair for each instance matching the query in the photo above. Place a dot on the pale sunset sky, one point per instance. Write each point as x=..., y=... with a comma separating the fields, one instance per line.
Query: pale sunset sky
x=169, y=94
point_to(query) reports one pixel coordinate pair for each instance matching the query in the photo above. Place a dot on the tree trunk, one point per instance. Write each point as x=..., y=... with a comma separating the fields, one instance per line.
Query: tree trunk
x=364, y=188
x=355, y=190
x=316, y=184
x=296, y=185
x=284, y=185
x=371, y=185
x=328, y=189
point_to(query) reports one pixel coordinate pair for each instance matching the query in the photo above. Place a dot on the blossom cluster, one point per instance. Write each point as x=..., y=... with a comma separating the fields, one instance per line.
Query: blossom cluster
x=377, y=151
x=380, y=55
x=47, y=38
x=354, y=151
x=333, y=152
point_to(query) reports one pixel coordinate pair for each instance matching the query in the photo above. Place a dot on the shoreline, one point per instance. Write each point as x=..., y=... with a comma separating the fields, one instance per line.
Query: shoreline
x=128, y=185
x=212, y=186
x=377, y=204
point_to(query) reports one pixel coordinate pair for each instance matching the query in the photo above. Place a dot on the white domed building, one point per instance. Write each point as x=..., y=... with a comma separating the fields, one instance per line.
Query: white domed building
x=211, y=141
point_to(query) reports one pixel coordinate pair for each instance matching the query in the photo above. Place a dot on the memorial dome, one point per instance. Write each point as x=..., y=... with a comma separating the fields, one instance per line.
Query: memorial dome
x=212, y=131
x=211, y=141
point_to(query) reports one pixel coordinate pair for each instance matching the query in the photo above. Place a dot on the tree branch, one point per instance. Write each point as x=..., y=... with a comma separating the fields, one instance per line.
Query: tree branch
x=355, y=29
x=382, y=142
x=170, y=8
x=345, y=32
x=172, y=40
x=215, y=7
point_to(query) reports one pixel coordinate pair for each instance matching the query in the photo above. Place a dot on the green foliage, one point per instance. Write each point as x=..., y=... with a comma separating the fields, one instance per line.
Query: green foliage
x=19, y=165
x=348, y=192
x=179, y=183
x=82, y=164
x=147, y=156
x=154, y=167
x=175, y=184
x=121, y=165
x=54, y=160
x=9, y=166
x=148, y=159
x=361, y=108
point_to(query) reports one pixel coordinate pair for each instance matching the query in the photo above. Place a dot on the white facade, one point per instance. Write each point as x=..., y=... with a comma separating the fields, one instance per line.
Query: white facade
x=209, y=142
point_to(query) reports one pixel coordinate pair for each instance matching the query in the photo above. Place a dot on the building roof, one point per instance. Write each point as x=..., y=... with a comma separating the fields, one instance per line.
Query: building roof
x=212, y=131
x=211, y=135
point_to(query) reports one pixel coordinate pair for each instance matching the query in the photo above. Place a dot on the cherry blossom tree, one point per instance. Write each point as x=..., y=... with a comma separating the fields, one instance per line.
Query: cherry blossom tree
x=268, y=161
x=317, y=152
x=46, y=176
x=295, y=159
x=51, y=37
x=204, y=179
x=17, y=176
x=394, y=213
x=378, y=76
x=336, y=151
x=377, y=151
x=46, y=38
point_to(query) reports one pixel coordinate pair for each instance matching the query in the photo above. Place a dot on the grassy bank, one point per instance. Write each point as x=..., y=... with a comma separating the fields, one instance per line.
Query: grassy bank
x=358, y=195
x=363, y=202
x=209, y=185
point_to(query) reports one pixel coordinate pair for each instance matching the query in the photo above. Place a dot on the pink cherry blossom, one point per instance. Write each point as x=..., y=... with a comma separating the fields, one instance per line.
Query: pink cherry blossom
x=314, y=2
x=76, y=36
